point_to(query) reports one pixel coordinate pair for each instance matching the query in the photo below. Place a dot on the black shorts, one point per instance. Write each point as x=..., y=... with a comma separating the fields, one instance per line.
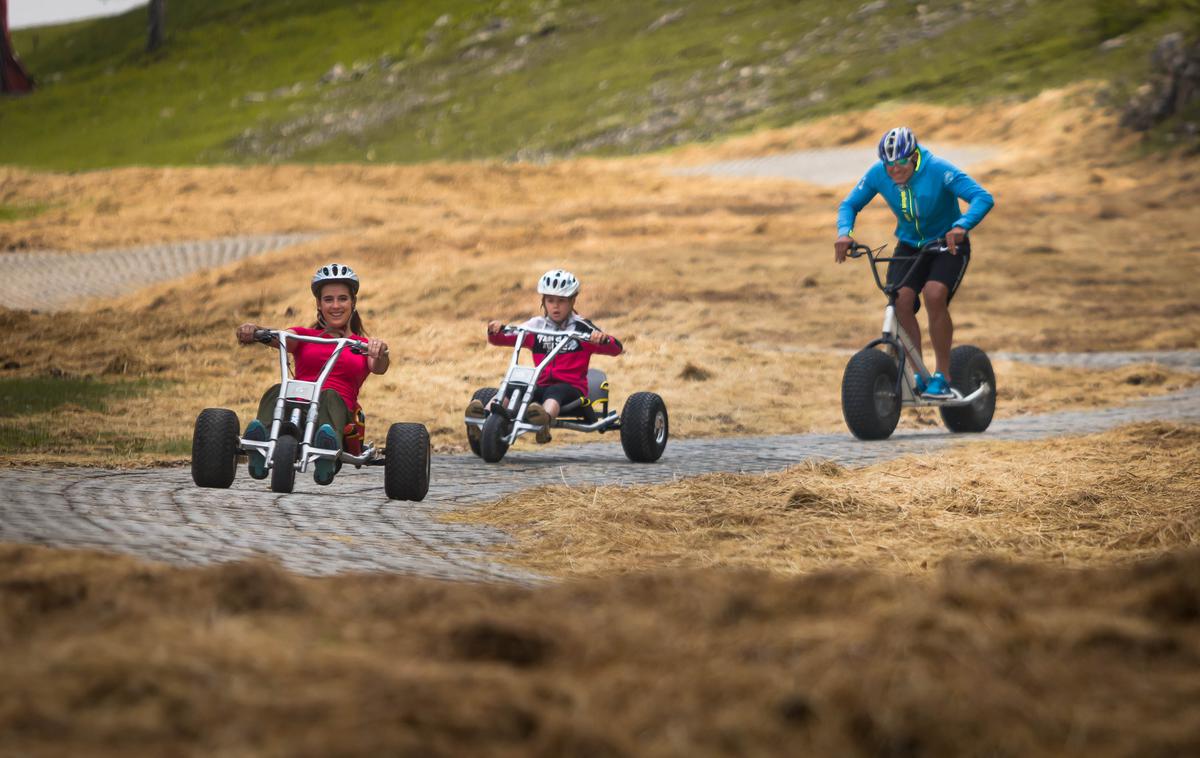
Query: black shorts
x=562, y=392
x=938, y=267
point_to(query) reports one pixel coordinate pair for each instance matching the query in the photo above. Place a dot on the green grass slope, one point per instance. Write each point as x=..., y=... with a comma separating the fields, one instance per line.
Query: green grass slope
x=241, y=80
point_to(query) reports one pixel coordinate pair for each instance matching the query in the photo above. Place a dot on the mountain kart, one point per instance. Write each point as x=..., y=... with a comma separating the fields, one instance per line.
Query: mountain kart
x=216, y=442
x=643, y=421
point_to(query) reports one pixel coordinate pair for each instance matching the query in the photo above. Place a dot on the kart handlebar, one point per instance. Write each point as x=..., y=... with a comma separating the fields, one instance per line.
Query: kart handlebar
x=268, y=336
x=509, y=329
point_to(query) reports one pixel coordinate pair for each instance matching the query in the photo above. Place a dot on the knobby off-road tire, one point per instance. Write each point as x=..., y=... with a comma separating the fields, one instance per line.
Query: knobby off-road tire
x=406, y=462
x=870, y=404
x=283, y=464
x=215, y=448
x=969, y=368
x=644, y=427
x=493, y=444
x=484, y=396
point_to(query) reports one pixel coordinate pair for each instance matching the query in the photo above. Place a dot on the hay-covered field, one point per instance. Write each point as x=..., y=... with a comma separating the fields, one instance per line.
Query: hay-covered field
x=996, y=601
x=1116, y=497
x=723, y=290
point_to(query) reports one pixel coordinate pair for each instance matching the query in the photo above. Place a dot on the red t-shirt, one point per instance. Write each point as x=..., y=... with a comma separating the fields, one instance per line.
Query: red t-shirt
x=348, y=373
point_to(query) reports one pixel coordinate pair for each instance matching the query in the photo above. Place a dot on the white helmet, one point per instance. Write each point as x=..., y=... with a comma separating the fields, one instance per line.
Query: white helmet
x=334, y=272
x=558, y=282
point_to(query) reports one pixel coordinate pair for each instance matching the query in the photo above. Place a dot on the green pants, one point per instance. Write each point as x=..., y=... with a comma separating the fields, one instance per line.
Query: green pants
x=332, y=410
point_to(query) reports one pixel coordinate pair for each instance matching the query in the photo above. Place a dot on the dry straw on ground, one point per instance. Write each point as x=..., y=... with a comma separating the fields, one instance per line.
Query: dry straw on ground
x=105, y=656
x=733, y=277
x=1117, y=496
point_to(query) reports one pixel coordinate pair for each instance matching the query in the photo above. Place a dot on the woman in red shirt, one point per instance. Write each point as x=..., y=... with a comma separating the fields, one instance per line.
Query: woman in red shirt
x=336, y=289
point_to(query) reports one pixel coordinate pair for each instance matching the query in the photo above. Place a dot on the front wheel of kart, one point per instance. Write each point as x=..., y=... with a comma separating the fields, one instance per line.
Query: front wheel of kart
x=406, y=462
x=870, y=404
x=970, y=368
x=283, y=464
x=493, y=444
x=484, y=396
x=215, y=448
x=644, y=427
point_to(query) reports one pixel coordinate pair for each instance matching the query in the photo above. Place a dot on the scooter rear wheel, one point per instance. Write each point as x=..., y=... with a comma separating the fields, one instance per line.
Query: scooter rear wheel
x=870, y=404
x=969, y=368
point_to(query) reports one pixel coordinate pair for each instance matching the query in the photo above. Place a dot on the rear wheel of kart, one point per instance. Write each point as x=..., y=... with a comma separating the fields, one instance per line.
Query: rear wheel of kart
x=644, y=427
x=493, y=444
x=406, y=462
x=283, y=464
x=484, y=396
x=970, y=368
x=870, y=404
x=215, y=448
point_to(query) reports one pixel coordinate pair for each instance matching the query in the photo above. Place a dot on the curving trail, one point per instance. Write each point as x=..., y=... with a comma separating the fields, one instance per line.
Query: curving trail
x=53, y=281
x=351, y=526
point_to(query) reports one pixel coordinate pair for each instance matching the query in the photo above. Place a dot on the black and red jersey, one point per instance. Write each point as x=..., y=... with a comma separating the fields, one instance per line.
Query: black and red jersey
x=570, y=366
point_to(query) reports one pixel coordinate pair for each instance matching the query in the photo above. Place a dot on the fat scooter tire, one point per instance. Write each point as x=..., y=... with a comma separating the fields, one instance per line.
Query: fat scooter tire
x=283, y=464
x=483, y=395
x=969, y=368
x=406, y=462
x=215, y=448
x=870, y=405
x=492, y=444
x=645, y=427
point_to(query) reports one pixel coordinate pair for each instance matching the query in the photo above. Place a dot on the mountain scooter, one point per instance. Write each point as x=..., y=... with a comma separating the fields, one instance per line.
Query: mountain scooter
x=880, y=379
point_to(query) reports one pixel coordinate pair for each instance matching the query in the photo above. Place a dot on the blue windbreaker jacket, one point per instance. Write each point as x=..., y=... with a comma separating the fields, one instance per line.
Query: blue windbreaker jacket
x=927, y=207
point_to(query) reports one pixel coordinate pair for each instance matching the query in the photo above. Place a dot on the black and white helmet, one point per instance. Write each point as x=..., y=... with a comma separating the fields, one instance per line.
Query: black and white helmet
x=558, y=282
x=334, y=272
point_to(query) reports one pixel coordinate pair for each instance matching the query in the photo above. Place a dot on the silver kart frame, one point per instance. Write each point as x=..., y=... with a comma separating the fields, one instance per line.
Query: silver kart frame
x=896, y=341
x=516, y=389
x=297, y=391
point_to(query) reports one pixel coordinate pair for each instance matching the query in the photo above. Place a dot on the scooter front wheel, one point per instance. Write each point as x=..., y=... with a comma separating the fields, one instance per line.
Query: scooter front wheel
x=870, y=404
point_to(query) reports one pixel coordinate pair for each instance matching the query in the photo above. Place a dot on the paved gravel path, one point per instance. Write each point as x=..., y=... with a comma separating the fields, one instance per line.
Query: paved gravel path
x=827, y=166
x=52, y=281
x=351, y=526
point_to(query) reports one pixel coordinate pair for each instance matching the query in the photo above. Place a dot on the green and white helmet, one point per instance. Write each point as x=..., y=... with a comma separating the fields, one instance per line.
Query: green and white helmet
x=335, y=272
x=558, y=282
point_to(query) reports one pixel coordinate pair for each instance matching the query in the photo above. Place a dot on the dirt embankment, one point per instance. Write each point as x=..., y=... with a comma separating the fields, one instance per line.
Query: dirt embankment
x=107, y=656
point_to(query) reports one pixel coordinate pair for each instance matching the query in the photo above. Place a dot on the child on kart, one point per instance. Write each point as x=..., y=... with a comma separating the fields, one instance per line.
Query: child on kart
x=565, y=380
x=336, y=289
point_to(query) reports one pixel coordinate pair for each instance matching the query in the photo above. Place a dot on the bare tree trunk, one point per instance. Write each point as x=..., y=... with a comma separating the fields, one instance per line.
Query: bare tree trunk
x=158, y=25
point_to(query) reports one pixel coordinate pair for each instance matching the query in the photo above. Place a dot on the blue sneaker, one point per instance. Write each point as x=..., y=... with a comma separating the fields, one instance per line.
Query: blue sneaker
x=258, y=462
x=324, y=468
x=919, y=382
x=937, y=387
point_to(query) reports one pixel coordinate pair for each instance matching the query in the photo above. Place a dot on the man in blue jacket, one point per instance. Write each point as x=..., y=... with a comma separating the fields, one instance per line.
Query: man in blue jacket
x=923, y=191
